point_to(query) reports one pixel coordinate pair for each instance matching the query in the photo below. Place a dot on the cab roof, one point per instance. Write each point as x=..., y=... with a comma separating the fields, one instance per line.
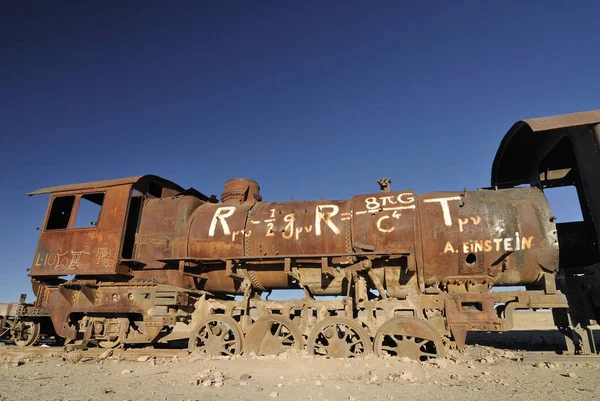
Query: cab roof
x=514, y=158
x=141, y=183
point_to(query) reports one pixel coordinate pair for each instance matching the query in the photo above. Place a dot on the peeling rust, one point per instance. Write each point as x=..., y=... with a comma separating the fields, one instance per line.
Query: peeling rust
x=162, y=263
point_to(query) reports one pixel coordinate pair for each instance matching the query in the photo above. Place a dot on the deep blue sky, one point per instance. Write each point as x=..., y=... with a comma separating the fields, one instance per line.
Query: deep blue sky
x=310, y=98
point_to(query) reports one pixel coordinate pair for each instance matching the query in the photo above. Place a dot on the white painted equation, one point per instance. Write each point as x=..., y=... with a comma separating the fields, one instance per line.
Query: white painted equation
x=390, y=205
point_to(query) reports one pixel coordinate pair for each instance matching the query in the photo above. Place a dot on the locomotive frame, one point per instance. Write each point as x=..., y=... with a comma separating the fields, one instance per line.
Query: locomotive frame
x=152, y=268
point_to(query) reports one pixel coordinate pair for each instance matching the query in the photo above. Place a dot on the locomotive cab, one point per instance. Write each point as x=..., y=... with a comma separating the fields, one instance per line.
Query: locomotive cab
x=90, y=228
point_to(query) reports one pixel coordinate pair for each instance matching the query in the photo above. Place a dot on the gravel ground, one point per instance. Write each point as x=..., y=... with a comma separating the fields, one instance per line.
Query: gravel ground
x=479, y=372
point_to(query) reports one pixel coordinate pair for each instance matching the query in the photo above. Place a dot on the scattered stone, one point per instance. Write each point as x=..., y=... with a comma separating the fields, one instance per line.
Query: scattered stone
x=144, y=358
x=440, y=363
x=510, y=355
x=244, y=383
x=219, y=384
x=407, y=376
x=274, y=394
x=280, y=385
x=571, y=375
x=373, y=379
x=485, y=373
x=317, y=383
x=207, y=383
x=351, y=398
x=15, y=364
x=454, y=376
x=125, y=372
x=245, y=376
x=106, y=354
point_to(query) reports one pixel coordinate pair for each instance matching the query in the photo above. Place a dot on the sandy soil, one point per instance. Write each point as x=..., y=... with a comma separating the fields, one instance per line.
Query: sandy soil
x=479, y=372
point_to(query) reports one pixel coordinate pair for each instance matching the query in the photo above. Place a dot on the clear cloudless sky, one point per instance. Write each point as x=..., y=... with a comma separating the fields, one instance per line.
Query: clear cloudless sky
x=310, y=98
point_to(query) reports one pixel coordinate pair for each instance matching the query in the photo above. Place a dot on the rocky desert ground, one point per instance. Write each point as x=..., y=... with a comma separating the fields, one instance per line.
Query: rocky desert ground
x=490, y=368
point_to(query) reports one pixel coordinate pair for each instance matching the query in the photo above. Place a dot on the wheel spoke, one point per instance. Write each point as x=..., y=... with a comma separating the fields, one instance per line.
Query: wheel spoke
x=392, y=338
x=209, y=332
x=339, y=330
x=217, y=335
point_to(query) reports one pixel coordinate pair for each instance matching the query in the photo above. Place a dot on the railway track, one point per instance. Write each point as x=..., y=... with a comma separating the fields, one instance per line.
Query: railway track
x=127, y=353
x=542, y=357
x=135, y=353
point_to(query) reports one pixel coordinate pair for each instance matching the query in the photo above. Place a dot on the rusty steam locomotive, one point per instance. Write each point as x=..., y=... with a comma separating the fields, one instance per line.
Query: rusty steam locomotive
x=412, y=274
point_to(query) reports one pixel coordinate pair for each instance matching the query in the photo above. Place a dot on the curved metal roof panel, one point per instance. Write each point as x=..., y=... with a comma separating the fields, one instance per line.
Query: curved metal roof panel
x=108, y=183
x=523, y=137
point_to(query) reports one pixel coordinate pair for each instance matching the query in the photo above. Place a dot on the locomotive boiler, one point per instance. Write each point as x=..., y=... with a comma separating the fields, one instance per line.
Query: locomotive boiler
x=405, y=274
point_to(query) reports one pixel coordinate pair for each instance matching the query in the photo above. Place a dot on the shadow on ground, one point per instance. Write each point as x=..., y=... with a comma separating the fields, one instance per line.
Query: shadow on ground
x=518, y=340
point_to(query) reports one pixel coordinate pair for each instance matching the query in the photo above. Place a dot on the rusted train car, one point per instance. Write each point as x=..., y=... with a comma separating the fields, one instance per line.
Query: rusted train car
x=412, y=274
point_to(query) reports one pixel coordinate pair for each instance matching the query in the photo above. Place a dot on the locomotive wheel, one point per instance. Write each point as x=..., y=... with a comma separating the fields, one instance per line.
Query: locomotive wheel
x=273, y=335
x=218, y=336
x=338, y=337
x=26, y=333
x=408, y=337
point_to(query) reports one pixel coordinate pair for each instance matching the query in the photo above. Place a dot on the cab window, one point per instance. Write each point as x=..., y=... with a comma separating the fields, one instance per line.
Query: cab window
x=88, y=213
x=60, y=212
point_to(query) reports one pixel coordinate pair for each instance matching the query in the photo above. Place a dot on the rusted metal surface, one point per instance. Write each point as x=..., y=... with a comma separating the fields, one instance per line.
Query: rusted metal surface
x=22, y=322
x=163, y=229
x=563, y=151
x=217, y=335
x=240, y=190
x=408, y=337
x=503, y=237
x=522, y=143
x=94, y=250
x=140, y=182
x=163, y=264
x=325, y=247
x=338, y=337
x=273, y=335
